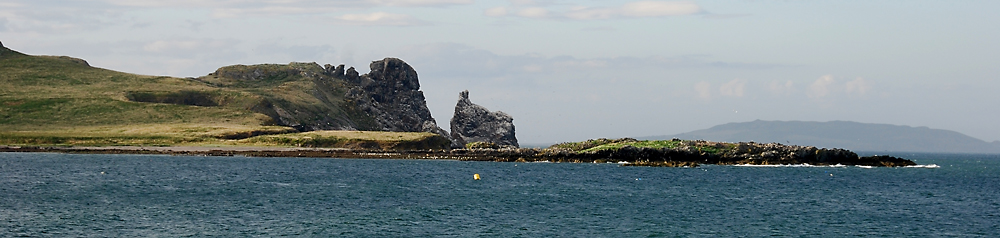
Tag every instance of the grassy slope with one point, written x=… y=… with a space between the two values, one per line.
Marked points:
x=316 y=99
x=64 y=101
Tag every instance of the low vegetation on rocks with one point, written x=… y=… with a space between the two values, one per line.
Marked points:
x=678 y=152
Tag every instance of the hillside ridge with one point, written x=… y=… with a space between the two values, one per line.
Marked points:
x=65 y=96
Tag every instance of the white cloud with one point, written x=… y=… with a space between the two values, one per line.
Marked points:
x=161 y=45
x=592 y=13
x=278 y=52
x=858 y=86
x=42 y=18
x=420 y=2
x=533 y=12
x=704 y=90
x=532 y=68
x=187 y=46
x=10 y=4
x=462 y=60
x=780 y=88
x=172 y=3
x=574 y=63
x=232 y=12
x=286 y=3
x=733 y=88
x=821 y=87
x=495 y=12
x=599 y=28
x=659 y=8
x=379 y=19
x=240 y=8
x=632 y=9
x=529 y=2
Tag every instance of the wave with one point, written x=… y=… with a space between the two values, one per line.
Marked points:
x=929 y=166
x=775 y=165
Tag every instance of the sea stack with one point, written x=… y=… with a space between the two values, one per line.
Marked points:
x=474 y=123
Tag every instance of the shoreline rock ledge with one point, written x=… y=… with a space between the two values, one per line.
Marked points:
x=474 y=123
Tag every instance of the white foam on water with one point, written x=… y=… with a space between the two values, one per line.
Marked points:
x=775 y=165
x=865 y=166
x=929 y=166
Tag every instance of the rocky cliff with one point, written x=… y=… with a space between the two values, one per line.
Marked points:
x=474 y=123
x=391 y=95
x=309 y=97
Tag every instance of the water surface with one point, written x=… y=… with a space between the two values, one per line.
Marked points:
x=60 y=195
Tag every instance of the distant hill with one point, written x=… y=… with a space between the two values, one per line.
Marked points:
x=844 y=134
x=65 y=97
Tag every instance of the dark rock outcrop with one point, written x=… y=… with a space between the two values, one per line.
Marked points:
x=335 y=71
x=390 y=94
x=474 y=123
x=307 y=96
x=78 y=61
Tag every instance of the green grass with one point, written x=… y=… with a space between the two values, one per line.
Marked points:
x=352 y=139
x=602 y=144
x=201 y=135
x=583 y=145
x=58 y=100
x=637 y=144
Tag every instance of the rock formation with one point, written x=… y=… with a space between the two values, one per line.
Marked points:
x=391 y=95
x=310 y=97
x=474 y=123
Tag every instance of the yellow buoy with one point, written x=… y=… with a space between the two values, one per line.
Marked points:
x=476 y=176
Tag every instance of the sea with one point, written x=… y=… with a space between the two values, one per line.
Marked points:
x=74 y=195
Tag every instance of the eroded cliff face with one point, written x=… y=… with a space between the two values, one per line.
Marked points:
x=391 y=95
x=475 y=123
x=309 y=97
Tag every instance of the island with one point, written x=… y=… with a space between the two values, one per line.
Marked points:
x=62 y=104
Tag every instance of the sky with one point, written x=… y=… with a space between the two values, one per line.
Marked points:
x=575 y=70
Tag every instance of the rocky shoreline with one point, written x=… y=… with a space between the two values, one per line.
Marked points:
x=690 y=154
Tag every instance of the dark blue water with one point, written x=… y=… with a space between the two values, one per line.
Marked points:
x=59 y=195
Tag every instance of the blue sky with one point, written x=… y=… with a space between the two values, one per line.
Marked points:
x=573 y=70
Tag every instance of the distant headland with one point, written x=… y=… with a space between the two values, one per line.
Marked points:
x=844 y=134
